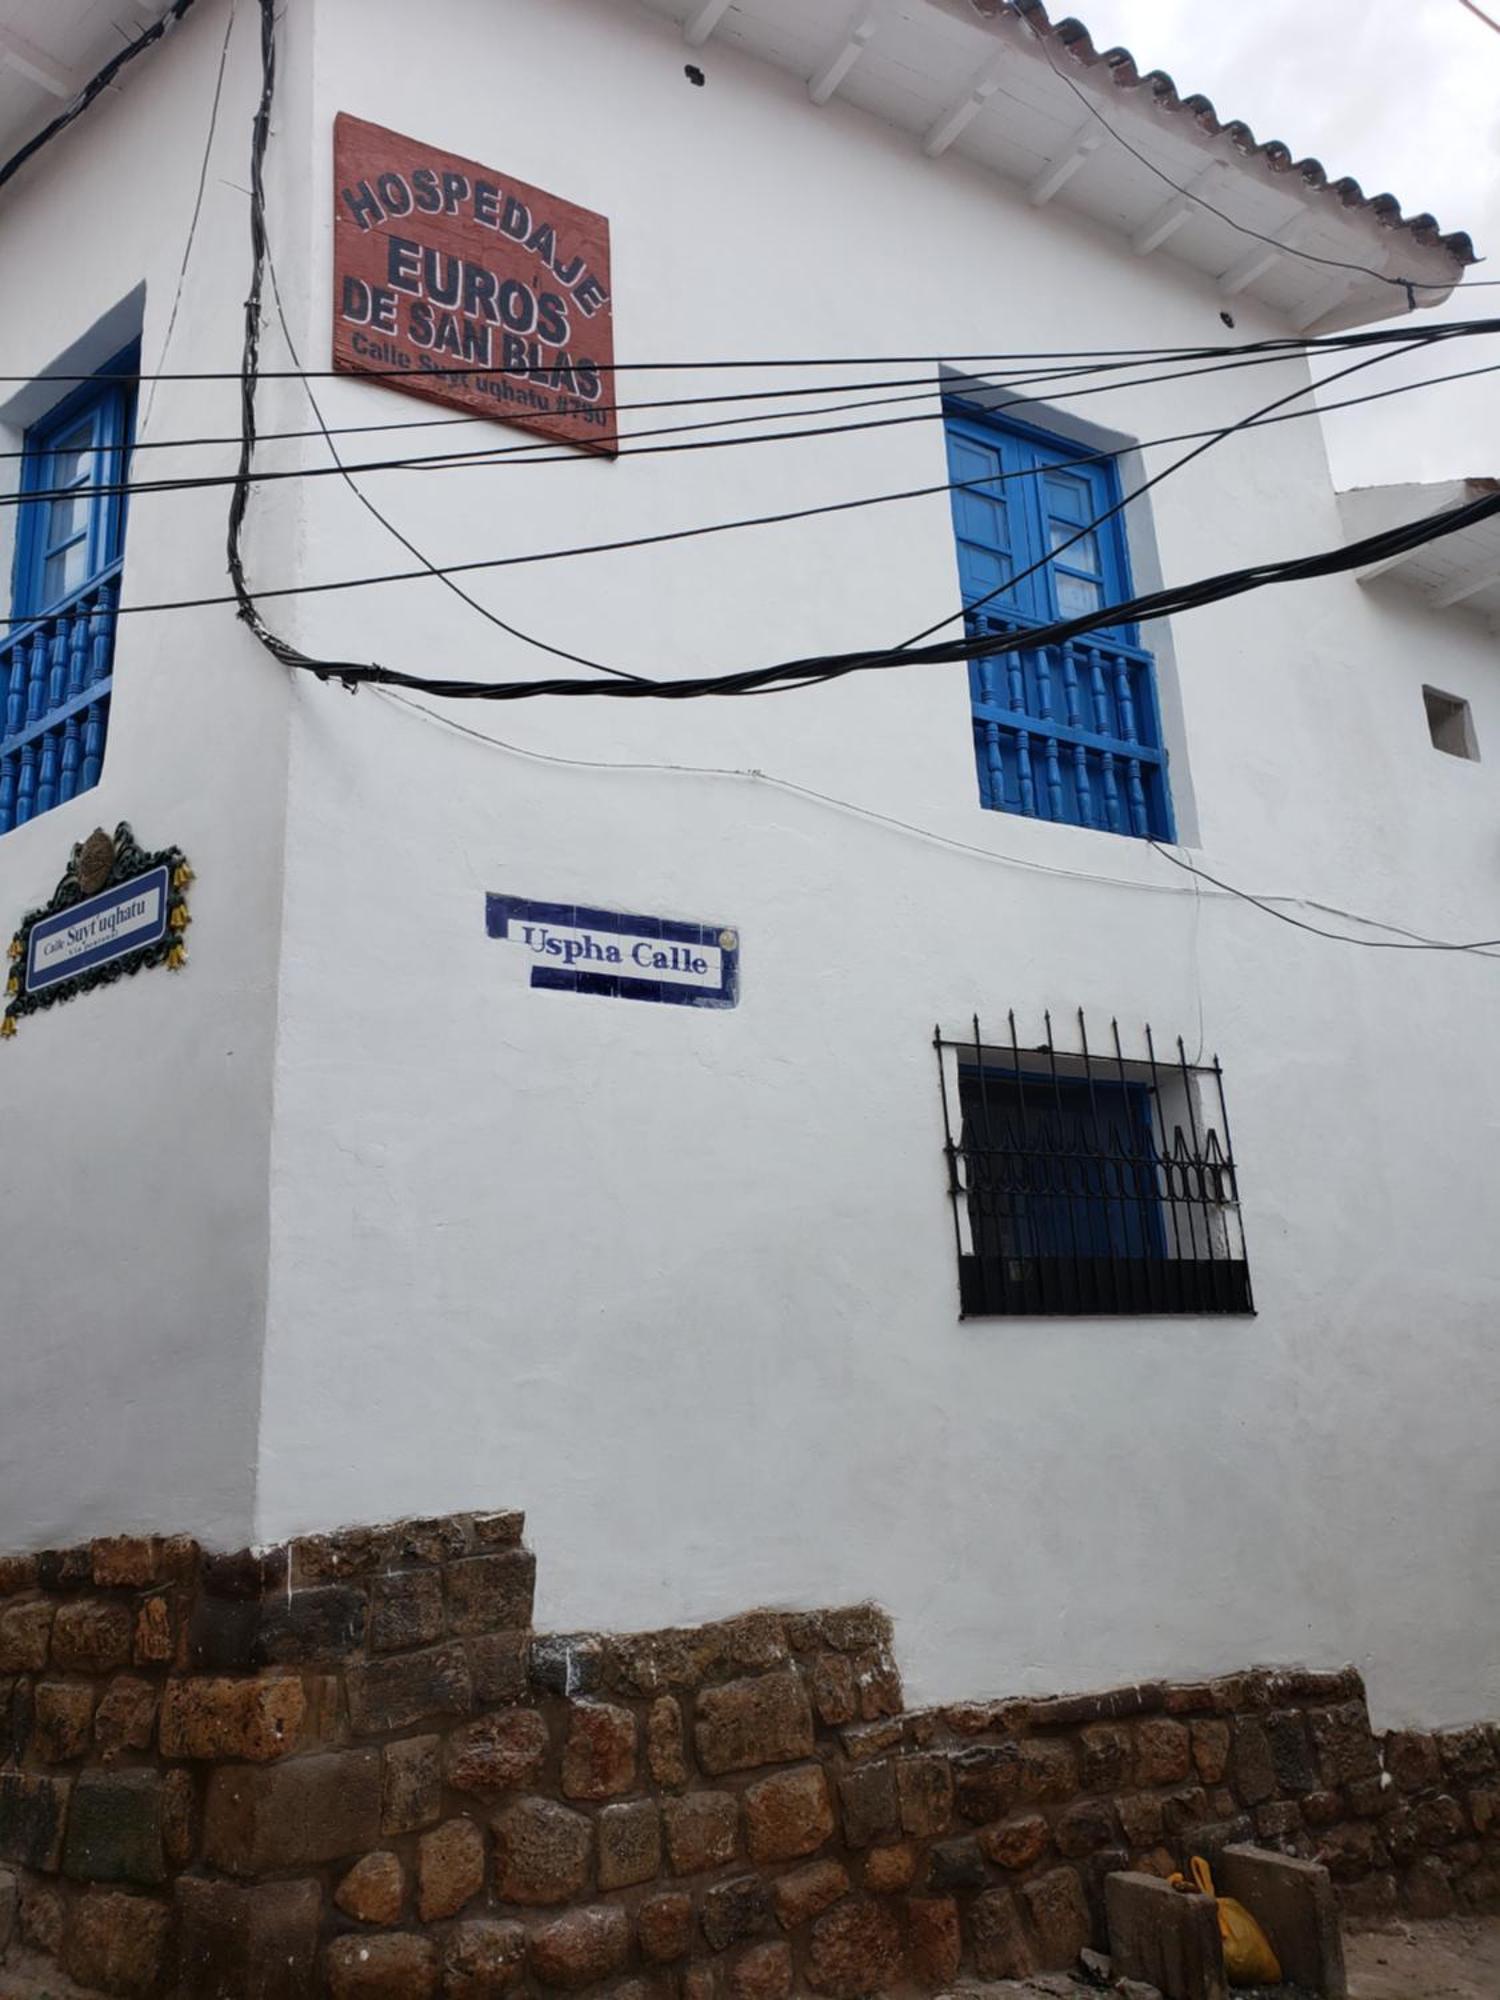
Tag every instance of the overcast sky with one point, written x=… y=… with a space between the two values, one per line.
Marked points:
x=1405 y=96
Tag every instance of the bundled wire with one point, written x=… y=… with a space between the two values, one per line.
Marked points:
x=784 y=675
x=250 y=363
x=831 y=667
x=431 y=568
x=797 y=673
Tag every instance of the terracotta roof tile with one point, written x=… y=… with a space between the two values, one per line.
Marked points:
x=1074 y=39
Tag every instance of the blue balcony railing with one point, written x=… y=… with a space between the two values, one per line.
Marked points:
x=55 y=678
x=1070 y=732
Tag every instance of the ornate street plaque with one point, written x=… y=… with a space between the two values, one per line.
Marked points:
x=116 y=910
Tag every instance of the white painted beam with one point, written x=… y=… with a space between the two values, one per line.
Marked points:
x=1383 y=568
x=1258 y=259
x=1053 y=178
x=1463 y=587
x=1326 y=299
x=701 y=24
x=964 y=110
x=825 y=81
x=1162 y=226
x=1255 y=265
x=35 y=64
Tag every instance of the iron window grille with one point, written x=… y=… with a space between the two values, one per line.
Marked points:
x=1083 y=1181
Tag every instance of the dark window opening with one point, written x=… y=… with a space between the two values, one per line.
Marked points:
x=1087 y=1182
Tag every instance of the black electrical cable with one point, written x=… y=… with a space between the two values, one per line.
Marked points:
x=258 y=244
x=240 y=497
x=1415 y=943
x=94 y=86
x=1431 y=527
x=1274 y=343
x=545 y=452
x=701 y=529
x=438 y=421
x=808 y=672
x=1136 y=492
x=1231 y=355
x=1157 y=604
x=1207 y=591
x=1406 y=285
x=784 y=674
x=261 y=253
x=826 y=667
x=1327 y=343
x=514 y=631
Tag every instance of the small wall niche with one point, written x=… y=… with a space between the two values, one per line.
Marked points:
x=1450 y=724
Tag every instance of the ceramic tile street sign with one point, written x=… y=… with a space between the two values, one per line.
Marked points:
x=571 y=948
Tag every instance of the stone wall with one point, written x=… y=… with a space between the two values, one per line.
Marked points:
x=347 y=1766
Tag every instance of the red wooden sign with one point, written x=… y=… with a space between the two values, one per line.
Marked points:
x=455 y=282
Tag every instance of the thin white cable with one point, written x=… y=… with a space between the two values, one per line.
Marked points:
x=208 y=146
x=1198 y=891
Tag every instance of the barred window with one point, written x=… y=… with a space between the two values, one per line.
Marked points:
x=1085 y=1180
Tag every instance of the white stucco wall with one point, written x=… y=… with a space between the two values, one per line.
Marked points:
x=134 y=1121
x=682 y=1283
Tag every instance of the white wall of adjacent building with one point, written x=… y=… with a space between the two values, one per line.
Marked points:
x=134 y=1123
x=679 y=1282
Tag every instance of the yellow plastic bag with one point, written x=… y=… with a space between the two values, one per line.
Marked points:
x=1248 y=1957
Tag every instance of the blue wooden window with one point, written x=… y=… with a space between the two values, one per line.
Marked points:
x=57 y=654
x=1060 y=1167
x=1071 y=732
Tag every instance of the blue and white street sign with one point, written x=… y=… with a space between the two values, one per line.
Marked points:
x=574 y=949
x=106 y=926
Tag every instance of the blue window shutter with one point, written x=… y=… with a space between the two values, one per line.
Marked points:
x=1061 y=1168
x=1070 y=733
x=57 y=654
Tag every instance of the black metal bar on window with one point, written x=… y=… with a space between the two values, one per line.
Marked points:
x=1166 y=1176
x=1072 y=1166
x=1088 y=1188
x=952 y=1156
x=1029 y=1172
x=986 y=1222
x=1232 y=1181
x=1199 y=1176
x=1112 y=1168
x=1143 y=1201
